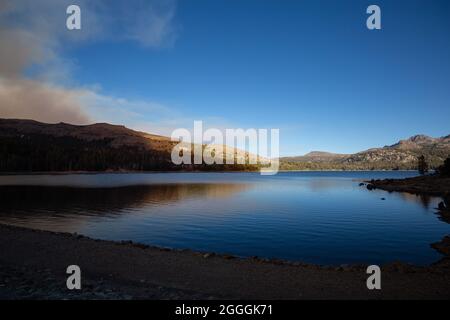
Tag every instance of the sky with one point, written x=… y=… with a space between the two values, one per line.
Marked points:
x=310 y=68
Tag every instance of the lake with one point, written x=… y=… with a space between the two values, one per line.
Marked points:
x=313 y=217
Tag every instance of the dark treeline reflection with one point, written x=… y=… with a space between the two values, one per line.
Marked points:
x=44 y=200
x=422 y=199
x=313 y=217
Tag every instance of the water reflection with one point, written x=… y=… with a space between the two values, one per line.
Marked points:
x=27 y=202
x=316 y=217
x=424 y=200
x=320 y=185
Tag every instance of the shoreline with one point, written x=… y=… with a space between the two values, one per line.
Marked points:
x=431 y=185
x=61 y=173
x=423 y=186
x=35 y=269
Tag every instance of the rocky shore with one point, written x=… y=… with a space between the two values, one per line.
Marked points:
x=429 y=185
x=432 y=185
x=33 y=265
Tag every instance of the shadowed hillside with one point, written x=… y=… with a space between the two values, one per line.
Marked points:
x=31 y=146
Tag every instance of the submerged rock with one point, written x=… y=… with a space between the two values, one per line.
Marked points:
x=442 y=206
x=370 y=186
x=443 y=246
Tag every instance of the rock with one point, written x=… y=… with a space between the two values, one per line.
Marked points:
x=277 y=261
x=141 y=245
x=207 y=255
x=383 y=198
x=443 y=246
x=441 y=206
x=361 y=184
x=370 y=186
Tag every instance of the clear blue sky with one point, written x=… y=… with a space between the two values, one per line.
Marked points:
x=310 y=68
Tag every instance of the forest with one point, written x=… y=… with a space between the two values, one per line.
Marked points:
x=46 y=153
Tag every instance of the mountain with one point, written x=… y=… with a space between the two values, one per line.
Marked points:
x=116 y=135
x=29 y=146
x=317 y=156
x=401 y=155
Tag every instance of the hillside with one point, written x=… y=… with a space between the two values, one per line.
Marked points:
x=317 y=156
x=401 y=155
x=30 y=146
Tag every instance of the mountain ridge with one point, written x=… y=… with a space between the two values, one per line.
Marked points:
x=400 y=155
x=29 y=145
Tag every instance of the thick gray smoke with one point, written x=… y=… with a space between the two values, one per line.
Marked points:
x=33 y=35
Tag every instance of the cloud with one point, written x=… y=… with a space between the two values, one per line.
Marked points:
x=30 y=99
x=45 y=102
x=153 y=24
x=148 y=22
x=34 y=37
x=19 y=49
x=34 y=34
x=116 y=110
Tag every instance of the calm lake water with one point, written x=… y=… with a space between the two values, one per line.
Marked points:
x=315 y=217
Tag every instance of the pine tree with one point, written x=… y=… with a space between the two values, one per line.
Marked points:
x=422 y=165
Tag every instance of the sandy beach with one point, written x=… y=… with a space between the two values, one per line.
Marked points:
x=33 y=265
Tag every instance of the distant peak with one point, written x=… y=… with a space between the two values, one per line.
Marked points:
x=319 y=153
x=419 y=137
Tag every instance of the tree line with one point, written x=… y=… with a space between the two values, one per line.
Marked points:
x=45 y=153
